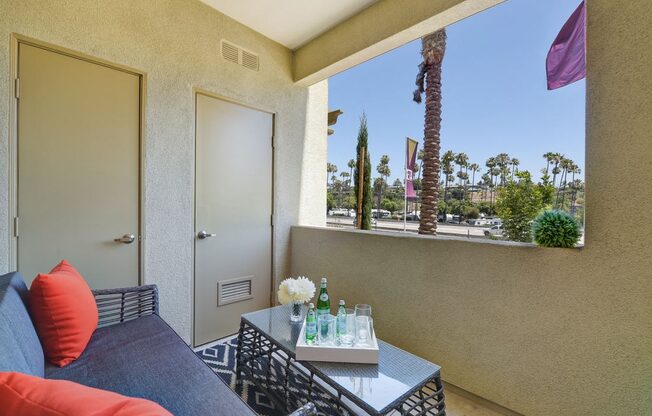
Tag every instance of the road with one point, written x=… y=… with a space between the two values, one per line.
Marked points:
x=412 y=226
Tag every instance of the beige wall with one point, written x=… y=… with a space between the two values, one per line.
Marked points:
x=540 y=331
x=176 y=42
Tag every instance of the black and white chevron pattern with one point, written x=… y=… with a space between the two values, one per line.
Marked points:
x=221 y=358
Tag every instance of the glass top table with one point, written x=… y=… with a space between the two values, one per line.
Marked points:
x=377 y=389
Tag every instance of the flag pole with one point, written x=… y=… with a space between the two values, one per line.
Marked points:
x=405 y=198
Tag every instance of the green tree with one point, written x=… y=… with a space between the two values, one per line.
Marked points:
x=433 y=47
x=363 y=139
x=384 y=172
x=518 y=204
x=330 y=201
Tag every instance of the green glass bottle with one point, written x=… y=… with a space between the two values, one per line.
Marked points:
x=323 y=302
x=311 y=324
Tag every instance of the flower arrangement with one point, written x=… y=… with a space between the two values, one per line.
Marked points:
x=556 y=229
x=296 y=290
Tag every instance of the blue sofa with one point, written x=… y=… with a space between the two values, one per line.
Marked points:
x=133 y=352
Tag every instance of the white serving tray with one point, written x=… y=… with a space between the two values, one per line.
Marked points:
x=336 y=353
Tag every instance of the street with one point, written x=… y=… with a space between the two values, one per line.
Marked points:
x=412 y=226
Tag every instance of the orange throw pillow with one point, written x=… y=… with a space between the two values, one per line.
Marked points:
x=64 y=313
x=25 y=395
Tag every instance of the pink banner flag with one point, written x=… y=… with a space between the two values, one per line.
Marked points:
x=566 y=62
x=410 y=161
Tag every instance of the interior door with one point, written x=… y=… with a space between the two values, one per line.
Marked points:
x=233 y=208
x=78 y=167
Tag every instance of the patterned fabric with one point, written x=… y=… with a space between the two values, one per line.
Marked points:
x=221 y=358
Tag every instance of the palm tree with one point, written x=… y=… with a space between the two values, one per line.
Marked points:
x=462 y=161
x=351 y=165
x=474 y=168
x=384 y=172
x=502 y=161
x=447 y=169
x=491 y=165
x=345 y=178
x=515 y=162
x=433 y=47
x=556 y=159
x=549 y=157
x=330 y=168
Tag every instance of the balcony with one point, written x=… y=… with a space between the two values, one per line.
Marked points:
x=516 y=329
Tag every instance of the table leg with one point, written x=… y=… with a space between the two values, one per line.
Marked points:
x=238 y=354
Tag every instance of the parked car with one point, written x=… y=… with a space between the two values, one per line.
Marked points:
x=383 y=213
x=495 y=231
x=373 y=222
x=411 y=216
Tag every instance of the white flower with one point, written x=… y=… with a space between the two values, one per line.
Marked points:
x=291 y=290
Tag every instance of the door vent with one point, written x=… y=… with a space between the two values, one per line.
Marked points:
x=234 y=290
x=236 y=54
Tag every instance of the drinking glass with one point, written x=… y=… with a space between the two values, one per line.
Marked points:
x=346 y=328
x=326 y=329
x=363 y=330
x=362 y=309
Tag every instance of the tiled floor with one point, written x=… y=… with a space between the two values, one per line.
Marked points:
x=460 y=404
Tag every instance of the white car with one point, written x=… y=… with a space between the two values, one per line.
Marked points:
x=373 y=222
x=495 y=231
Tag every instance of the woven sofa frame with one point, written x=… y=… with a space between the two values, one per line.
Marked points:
x=125 y=304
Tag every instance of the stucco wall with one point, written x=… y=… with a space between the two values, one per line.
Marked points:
x=539 y=331
x=176 y=42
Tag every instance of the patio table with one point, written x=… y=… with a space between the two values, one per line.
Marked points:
x=400 y=384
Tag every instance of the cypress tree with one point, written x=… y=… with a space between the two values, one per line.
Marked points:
x=366 y=187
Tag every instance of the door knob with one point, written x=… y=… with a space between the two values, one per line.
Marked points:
x=204 y=234
x=125 y=239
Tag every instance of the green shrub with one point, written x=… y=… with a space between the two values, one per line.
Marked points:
x=556 y=229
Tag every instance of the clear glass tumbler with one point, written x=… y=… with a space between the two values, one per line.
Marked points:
x=346 y=328
x=362 y=309
x=363 y=330
x=326 y=329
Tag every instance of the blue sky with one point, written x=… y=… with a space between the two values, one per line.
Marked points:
x=494 y=93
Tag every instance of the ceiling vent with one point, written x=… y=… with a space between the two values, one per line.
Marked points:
x=234 y=53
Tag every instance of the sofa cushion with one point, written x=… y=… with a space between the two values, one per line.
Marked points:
x=146 y=358
x=64 y=313
x=20 y=349
x=21 y=394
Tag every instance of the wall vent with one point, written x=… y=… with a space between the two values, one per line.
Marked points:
x=234 y=290
x=236 y=54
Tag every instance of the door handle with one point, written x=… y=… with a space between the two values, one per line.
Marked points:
x=204 y=234
x=125 y=239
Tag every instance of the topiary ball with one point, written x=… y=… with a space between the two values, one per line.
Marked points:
x=556 y=229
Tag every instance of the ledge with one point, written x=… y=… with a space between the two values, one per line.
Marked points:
x=401 y=235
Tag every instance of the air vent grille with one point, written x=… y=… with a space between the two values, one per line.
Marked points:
x=230 y=52
x=234 y=53
x=249 y=60
x=234 y=290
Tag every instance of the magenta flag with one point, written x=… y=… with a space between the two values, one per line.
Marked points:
x=410 y=160
x=566 y=62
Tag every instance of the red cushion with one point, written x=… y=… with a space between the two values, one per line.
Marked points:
x=64 y=313
x=25 y=395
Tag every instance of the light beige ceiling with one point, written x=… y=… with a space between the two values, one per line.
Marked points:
x=290 y=22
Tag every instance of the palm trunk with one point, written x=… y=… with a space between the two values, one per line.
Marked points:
x=433 y=50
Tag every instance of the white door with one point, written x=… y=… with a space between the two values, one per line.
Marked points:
x=78 y=167
x=233 y=208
